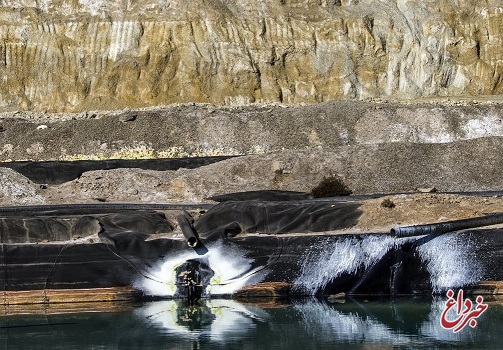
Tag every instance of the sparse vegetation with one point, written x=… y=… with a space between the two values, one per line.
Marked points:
x=331 y=186
x=387 y=203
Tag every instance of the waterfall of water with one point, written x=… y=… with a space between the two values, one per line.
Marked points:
x=331 y=258
x=451 y=262
x=448 y=259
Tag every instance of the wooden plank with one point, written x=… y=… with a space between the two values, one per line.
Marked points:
x=65 y=308
x=486 y=288
x=264 y=290
x=50 y=296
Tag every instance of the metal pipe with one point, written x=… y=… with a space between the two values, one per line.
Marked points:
x=185 y=222
x=448 y=226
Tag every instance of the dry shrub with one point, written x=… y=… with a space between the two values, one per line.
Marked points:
x=387 y=203
x=331 y=186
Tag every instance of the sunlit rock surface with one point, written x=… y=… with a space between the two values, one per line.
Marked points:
x=203 y=130
x=80 y=55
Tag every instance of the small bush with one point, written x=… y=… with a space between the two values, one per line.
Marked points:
x=387 y=203
x=332 y=186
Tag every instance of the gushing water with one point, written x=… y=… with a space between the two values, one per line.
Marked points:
x=231 y=270
x=448 y=258
x=451 y=262
x=331 y=258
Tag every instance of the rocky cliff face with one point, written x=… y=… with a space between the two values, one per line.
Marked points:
x=74 y=55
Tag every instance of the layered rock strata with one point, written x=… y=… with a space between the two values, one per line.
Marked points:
x=79 y=55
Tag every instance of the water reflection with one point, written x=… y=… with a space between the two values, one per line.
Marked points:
x=216 y=320
x=401 y=323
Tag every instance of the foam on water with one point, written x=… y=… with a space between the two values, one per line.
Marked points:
x=231 y=270
x=451 y=262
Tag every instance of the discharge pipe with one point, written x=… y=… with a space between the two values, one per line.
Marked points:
x=185 y=222
x=448 y=226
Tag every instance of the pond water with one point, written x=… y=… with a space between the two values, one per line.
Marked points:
x=227 y=324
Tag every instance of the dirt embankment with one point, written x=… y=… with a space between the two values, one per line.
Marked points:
x=204 y=130
x=373 y=147
x=414 y=209
x=139 y=186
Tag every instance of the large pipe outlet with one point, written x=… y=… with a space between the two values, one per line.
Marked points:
x=448 y=226
x=185 y=222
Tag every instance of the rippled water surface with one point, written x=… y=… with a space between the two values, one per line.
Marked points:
x=299 y=324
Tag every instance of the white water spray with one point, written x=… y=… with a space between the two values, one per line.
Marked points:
x=450 y=261
x=331 y=258
x=448 y=258
x=231 y=270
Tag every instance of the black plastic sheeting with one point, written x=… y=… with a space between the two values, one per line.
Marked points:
x=400 y=271
x=58 y=266
x=266 y=195
x=127 y=248
x=277 y=217
x=58 y=172
x=63 y=263
x=54 y=228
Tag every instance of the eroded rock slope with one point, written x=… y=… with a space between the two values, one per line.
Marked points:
x=81 y=55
